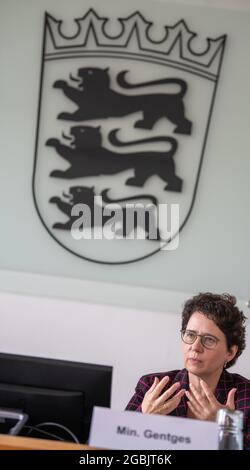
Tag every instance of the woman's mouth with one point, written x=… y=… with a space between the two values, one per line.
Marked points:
x=194 y=360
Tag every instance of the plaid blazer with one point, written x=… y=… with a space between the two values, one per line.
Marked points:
x=226 y=382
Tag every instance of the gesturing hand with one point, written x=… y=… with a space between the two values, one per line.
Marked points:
x=204 y=405
x=155 y=402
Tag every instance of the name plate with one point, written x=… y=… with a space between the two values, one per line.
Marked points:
x=132 y=430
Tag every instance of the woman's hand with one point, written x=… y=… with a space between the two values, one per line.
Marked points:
x=157 y=403
x=204 y=405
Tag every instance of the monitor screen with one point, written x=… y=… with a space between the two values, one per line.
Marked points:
x=53 y=391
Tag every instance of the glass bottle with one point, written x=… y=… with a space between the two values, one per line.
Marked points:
x=230 y=429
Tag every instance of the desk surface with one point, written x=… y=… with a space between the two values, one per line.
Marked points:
x=27 y=443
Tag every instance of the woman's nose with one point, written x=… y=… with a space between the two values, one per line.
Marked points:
x=197 y=345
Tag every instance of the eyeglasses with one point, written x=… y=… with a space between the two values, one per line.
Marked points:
x=208 y=341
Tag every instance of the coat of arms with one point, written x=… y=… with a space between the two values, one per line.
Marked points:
x=122 y=127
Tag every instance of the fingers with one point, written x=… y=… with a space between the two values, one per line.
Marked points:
x=230 y=399
x=158 y=387
x=206 y=407
x=155 y=382
x=197 y=398
x=193 y=409
x=203 y=407
x=208 y=392
x=149 y=401
x=173 y=402
x=193 y=403
x=168 y=393
x=161 y=403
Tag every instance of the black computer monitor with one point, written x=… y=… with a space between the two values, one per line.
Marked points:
x=53 y=391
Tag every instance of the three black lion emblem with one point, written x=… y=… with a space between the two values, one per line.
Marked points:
x=97 y=97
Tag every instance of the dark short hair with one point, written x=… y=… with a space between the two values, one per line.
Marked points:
x=226 y=315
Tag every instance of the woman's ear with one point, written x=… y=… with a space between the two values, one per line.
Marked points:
x=232 y=352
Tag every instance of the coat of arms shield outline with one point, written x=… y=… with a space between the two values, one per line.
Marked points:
x=122 y=115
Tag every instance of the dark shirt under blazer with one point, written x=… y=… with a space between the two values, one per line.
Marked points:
x=226 y=383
